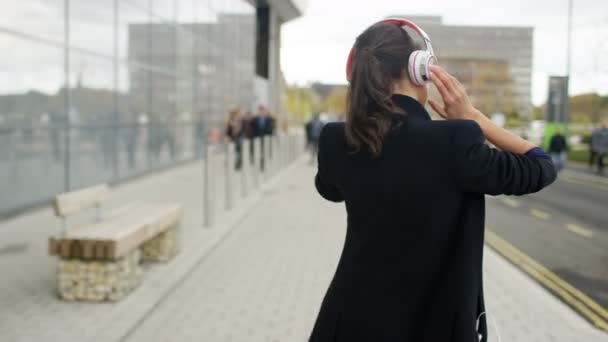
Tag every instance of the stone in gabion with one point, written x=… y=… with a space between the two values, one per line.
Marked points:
x=99 y=280
x=163 y=247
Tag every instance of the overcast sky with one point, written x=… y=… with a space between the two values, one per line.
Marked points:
x=315 y=46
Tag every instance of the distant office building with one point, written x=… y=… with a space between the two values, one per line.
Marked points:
x=493 y=62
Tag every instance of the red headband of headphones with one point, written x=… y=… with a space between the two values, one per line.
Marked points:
x=399 y=22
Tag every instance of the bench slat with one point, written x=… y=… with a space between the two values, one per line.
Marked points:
x=71 y=202
x=88 y=249
x=126 y=242
x=120 y=218
x=121 y=233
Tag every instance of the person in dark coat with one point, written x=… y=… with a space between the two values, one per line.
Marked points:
x=249 y=132
x=263 y=128
x=599 y=145
x=558 y=148
x=313 y=131
x=413 y=188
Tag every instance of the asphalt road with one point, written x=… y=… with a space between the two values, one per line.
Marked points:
x=564 y=229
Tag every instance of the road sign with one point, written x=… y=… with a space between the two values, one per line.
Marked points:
x=557 y=101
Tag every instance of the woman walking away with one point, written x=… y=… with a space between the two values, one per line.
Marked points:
x=411 y=265
x=234 y=133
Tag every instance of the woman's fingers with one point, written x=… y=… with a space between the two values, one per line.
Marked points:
x=444 y=76
x=451 y=92
x=441 y=87
x=437 y=108
x=455 y=91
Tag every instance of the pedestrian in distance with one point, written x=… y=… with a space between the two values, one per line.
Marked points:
x=558 y=148
x=249 y=132
x=313 y=132
x=599 y=141
x=234 y=134
x=263 y=128
x=413 y=187
x=592 y=153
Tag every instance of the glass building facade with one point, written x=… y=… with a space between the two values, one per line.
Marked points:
x=98 y=91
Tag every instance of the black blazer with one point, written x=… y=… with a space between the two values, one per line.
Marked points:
x=411 y=267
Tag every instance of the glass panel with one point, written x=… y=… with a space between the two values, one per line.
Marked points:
x=92 y=26
x=181 y=65
x=32 y=122
x=93 y=120
x=24 y=17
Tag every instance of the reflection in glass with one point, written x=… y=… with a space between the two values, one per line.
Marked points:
x=32 y=122
x=144 y=101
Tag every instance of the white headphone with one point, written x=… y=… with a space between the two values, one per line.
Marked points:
x=419 y=61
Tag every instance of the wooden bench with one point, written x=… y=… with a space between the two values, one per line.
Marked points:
x=101 y=260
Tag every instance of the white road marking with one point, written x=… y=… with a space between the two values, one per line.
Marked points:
x=511 y=202
x=540 y=214
x=576 y=229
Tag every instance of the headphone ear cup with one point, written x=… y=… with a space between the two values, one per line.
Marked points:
x=418 y=67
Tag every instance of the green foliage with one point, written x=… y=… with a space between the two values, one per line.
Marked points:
x=584 y=108
x=580 y=118
x=593 y=106
x=586 y=138
x=580 y=156
x=538 y=113
x=513 y=122
x=302 y=102
x=335 y=102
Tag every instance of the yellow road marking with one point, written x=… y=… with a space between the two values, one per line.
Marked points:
x=574 y=180
x=540 y=214
x=571 y=295
x=511 y=202
x=576 y=229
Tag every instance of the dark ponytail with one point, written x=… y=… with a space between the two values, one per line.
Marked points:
x=380 y=58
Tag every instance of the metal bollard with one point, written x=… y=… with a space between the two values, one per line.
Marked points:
x=280 y=151
x=209 y=199
x=275 y=154
x=229 y=165
x=285 y=150
x=257 y=155
x=286 y=144
x=292 y=148
x=266 y=153
x=245 y=168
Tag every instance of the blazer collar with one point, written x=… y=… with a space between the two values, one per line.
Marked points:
x=411 y=106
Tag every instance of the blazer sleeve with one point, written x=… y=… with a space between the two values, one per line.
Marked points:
x=482 y=169
x=325 y=180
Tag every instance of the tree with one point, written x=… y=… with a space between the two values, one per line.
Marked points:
x=335 y=103
x=302 y=102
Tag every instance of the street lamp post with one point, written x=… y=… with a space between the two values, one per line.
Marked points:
x=566 y=117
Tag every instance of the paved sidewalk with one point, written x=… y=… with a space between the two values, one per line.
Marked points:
x=263 y=282
x=29 y=307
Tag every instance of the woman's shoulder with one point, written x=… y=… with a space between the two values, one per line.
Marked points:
x=332 y=131
x=332 y=136
x=333 y=128
x=457 y=131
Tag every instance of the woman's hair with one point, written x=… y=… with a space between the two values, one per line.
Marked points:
x=380 y=58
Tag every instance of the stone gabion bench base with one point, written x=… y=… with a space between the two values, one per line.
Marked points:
x=107 y=280
x=163 y=247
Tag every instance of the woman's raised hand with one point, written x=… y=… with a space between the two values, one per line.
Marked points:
x=456 y=102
